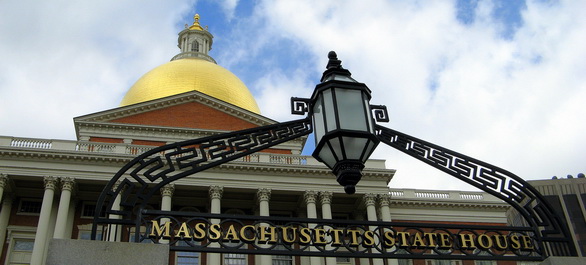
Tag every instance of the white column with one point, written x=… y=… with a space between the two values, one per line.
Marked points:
x=215 y=207
x=3 y=183
x=67 y=185
x=370 y=201
x=384 y=200
x=325 y=198
x=263 y=196
x=166 y=194
x=310 y=198
x=44 y=219
x=4 y=218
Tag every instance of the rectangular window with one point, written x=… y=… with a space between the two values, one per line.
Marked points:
x=282 y=259
x=89 y=209
x=21 y=251
x=185 y=257
x=405 y=262
x=343 y=261
x=234 y=259
x=30 y=206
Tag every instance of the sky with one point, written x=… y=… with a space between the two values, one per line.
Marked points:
x=501 y=81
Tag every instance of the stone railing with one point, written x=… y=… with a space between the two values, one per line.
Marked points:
x=441 y=195
x=129 y=149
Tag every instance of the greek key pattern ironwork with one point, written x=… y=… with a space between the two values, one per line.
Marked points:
x=380 y=113
x=299 y=106
x=145 y=175
x=494 y=180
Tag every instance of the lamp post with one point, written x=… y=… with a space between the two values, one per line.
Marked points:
x=342 y=123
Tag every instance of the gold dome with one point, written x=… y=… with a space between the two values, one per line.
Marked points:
x=189 y=74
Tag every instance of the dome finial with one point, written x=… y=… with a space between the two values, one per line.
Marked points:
x=196 y=24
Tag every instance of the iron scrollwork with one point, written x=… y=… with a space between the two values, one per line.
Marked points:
x=145 y=175
x=550 y=231
x=380 y=113
x=299 y=106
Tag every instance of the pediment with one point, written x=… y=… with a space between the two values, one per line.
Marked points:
x=191 y=110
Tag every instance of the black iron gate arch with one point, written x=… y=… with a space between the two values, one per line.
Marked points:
x=122 y=205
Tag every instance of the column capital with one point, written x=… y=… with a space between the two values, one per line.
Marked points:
x=384 y=200
x=50 y=182
x=216 y=192
x=3 y=180
x=369 y=199
x=67 y=183
x=168 y=190
x=325 y=197
x=263 y=194
x=310 y=196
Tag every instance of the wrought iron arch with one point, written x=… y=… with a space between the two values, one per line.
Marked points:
x=139 y=180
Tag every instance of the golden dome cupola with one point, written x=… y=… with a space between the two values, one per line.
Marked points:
x=195 y=41
x=192 y=70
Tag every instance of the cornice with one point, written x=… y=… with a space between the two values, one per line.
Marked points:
x=441 y=204
x=258 y=168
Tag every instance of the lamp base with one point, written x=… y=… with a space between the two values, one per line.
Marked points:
x=348 y=174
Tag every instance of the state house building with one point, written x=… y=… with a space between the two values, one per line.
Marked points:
x=49 y=187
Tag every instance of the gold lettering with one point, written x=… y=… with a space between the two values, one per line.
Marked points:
x=527 y=243
x=215 y=232
x=231 y=234
x=418 y=240
x=183 y=231
x=243 y=234
x=445 y=240
x=431 y=239
x=200 y=231
x=286 y=238
x=404 y=238
x=353 y=237
x=484 y=241
x=336 y=234
x=320 y=236
x=263 y=234
x=515 y=244
x=368 y=239
x=389 y=239
x=157 y=231
x=304 y=235
x=502 y=243
x=466 y=239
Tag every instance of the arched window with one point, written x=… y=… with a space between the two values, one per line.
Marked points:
x=195 y=46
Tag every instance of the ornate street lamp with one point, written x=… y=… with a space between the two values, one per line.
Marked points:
x=342 y=123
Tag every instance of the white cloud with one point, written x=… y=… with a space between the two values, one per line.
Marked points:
x=515 y=103
x=63 y=59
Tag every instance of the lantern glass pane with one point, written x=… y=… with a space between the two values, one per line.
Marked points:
x=337 y=148
x=318 y=120
x=368 y=114
x=354 y=147
x=327 y=156
x=369 y=149
x=330 y=112
x=351 y=109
